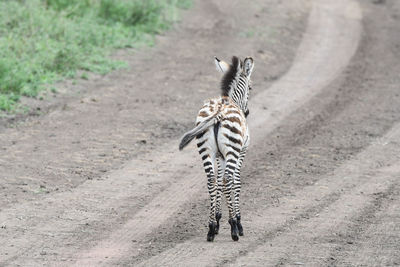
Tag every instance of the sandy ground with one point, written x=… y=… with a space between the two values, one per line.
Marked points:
x=95 y=177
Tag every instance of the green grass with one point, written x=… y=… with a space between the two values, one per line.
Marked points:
x=43 y=41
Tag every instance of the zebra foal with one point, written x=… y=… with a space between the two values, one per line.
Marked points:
x=222 y=140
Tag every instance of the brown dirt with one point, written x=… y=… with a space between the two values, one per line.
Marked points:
x=96 y=179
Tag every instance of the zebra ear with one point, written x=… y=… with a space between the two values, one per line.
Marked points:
x=248 y=66
x=221 y=66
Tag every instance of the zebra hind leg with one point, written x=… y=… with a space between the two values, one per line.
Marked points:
x=228 y=180
x=218 y=214
x=236 y=194
x=206 y=148
x=212 y=224
x=212 y=188
x=236 y=190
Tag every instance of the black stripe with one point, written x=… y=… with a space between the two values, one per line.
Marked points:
x=207 y=163
x=233 y=129
x=234 y=148
x=231 y=161
x=200 y=135
x=230 y=167
x=229 y=172
x=233 y=140
x=232 y=153
x=202 y=150
x=204 y=157
x=208 y=169
x=201 y=143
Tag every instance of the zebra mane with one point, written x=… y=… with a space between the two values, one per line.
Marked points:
x=229 y=76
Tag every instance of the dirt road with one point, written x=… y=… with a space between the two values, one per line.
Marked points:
x=96 y=179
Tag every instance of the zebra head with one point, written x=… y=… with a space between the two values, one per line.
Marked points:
x=236 y=81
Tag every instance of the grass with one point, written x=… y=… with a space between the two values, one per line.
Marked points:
x=44 y=41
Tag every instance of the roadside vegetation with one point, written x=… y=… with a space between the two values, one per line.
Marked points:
x=43 y=41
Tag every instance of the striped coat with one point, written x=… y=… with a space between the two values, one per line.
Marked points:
x=222 y=140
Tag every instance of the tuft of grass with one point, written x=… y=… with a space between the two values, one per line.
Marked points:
x=43 y=41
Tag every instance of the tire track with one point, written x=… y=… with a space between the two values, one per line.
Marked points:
x=69 y=211
x=377 y=243
x=333 y=29
x=312 y=240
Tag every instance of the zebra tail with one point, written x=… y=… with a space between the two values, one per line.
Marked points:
x=204 y=125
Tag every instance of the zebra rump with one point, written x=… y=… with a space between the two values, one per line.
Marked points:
x=204 y=125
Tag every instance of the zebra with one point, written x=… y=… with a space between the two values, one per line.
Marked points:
x=222 y=140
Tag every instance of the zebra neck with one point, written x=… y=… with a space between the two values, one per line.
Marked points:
x=238 y=98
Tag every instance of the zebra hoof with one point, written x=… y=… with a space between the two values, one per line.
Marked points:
x=240 y=229
x=211 y=232
x=234 y=229
x=218 y=217
x=239 y=225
